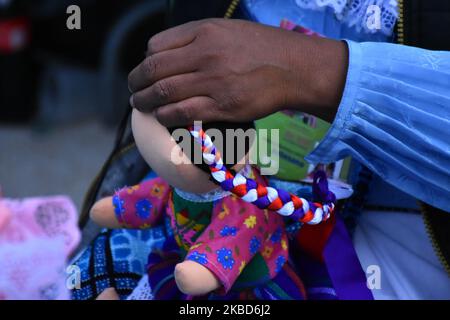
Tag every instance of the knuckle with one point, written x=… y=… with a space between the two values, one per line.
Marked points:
x=184 y=113
x=162 y=115
x=207 y=27
x=149 y=67
x=163 y=90
x=230 y=104
x=212 y=57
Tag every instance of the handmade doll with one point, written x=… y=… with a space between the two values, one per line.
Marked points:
x=224 y=236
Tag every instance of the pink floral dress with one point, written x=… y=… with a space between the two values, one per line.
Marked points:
x=238 y=242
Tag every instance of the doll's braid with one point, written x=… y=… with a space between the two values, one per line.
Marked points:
x=279 y=200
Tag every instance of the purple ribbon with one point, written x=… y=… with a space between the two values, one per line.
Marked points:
x=343 y=266
x=320 y=188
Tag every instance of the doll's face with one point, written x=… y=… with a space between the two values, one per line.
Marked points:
x=157 y=146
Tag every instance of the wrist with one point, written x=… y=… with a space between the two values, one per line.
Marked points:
x=317 y=69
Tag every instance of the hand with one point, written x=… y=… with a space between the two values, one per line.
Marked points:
x=194 y=279
x=233 y=70
x=108 y=294
x=102 y=213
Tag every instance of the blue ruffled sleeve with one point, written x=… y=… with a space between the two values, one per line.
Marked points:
x=394 y=117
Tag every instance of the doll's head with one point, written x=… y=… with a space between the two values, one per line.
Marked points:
x=175 y=163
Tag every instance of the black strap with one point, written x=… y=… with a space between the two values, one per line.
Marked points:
x=427 y=24
x=91 y=195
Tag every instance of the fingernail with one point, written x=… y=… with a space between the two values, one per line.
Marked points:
x=129 y=89
x=132 y=100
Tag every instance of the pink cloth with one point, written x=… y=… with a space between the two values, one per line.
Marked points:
x=36 y=237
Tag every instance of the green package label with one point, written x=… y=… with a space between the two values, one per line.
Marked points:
x=298 y=135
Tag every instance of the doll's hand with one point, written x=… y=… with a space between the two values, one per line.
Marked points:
x=102 y=213
x=234 y=70
x=194 y=279
x=108 y=294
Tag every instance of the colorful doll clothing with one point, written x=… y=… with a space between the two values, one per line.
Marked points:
x=117 y=258
x=242 y=245
x=286 y=285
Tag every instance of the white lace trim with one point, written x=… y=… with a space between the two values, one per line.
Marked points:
x=361 y=14
x=142 y=290
x=211 y=196
x=337 y=5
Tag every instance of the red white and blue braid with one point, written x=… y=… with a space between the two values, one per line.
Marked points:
x=279 y=200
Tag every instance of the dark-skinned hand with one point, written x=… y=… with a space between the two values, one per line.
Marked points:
x=234 y=70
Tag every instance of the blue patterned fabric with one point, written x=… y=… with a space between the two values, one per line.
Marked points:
x=116 y=258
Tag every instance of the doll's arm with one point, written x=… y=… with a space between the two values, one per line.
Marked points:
x=102 y=213
x=237 y=232
x=139 y=206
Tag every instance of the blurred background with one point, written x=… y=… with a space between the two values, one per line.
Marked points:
x=63 y=92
